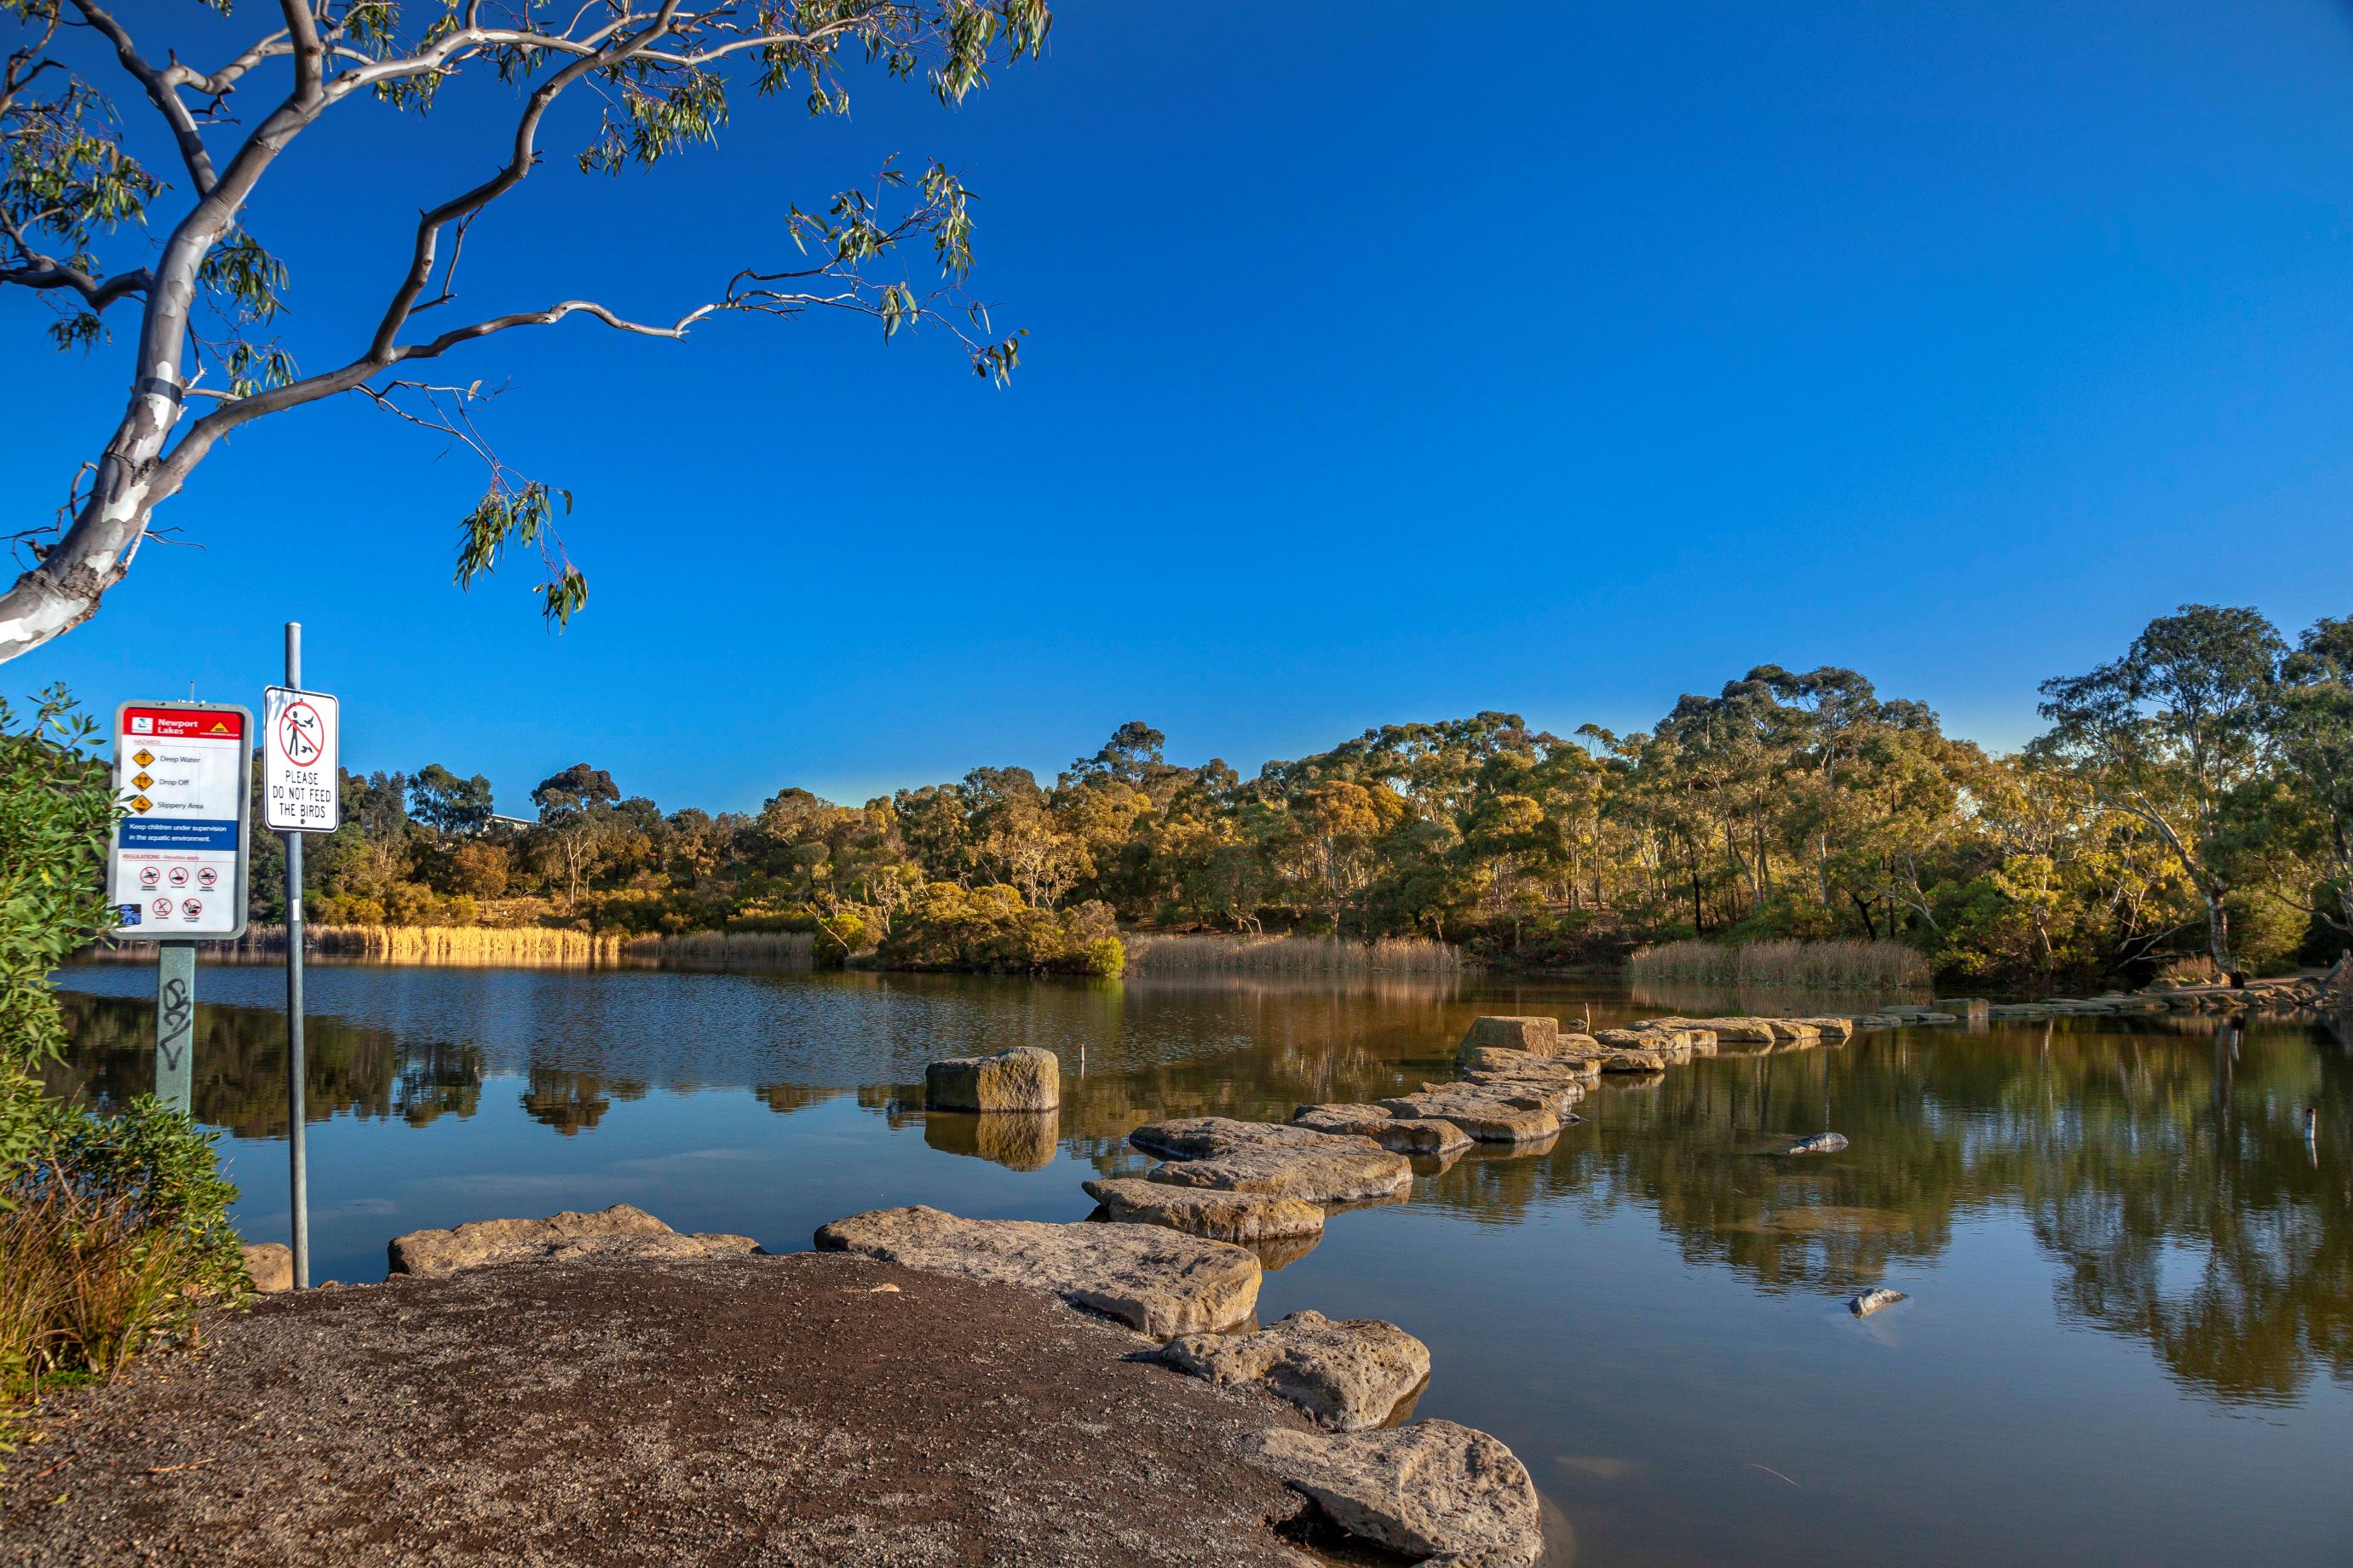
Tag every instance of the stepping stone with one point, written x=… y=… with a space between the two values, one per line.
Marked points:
x=1398 y=1134
x=1154 y=1279
x=618 y=1231
x=1027 y=1078
x=1220 y=1216
x=1439 y=1493
x=1537 y=1037
x=1482 y=1112
x=1347 y=1374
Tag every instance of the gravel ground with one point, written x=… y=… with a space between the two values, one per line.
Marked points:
x=739 y=1411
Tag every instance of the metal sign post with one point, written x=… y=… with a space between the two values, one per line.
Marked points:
x=175 y=869
x=299 y=793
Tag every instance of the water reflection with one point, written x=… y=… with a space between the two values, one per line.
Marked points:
x=2159 y=1163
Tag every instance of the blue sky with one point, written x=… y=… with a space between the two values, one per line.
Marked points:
x=1560 y=361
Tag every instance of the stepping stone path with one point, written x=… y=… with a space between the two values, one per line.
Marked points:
x=1347 y=1374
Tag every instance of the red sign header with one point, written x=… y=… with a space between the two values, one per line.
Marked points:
x=182 y=724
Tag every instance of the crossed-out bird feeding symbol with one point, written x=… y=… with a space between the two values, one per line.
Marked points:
x=300 y=735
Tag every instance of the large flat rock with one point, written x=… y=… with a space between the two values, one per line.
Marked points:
x=1336 y=1176
x=1263 y=1157
x=1348 y=1374
x=1448 y=1495
x=1489 y=1113
x=1027 y=1078
x=1398 y=1134
x=1201 y=1211
x=620 y=1231
x=1156 y=1280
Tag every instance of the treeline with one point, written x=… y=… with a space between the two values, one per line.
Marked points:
x=2192 y=799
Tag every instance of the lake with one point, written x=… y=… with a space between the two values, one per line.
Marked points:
x=2130 y=1330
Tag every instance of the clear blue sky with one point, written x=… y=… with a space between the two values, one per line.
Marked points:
x=1561 y=361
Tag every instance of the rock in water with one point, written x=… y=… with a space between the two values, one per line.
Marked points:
x=1537 y=1037
x=1439 y=1493
x=1819 y=1144
x=1261 y=1157
x=1398 y=1134
x=1152 y=1279
x=1871 y=1301
x=1027 y=1078
x=1347 y=1374
x=270 y=1266
x=1220 y=1216
x=1492 y=1113
x=620 y=1230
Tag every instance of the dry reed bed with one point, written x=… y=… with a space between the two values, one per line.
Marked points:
x=524 y=947
x=1289 y=955
x=1846 y=965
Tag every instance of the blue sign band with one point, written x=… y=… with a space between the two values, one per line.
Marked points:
x=143 y=832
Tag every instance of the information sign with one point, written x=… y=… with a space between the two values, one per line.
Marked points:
x=177 y=867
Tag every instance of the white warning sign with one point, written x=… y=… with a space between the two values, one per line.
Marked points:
x=300 y=731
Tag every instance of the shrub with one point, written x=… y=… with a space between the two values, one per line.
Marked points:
x=1106 y=958
x=118 y=1232
x=995 y=930
x=57 y=809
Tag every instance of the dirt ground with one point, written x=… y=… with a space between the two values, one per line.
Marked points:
x=739 y=1411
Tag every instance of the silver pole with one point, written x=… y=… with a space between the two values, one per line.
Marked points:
x=176 y=1022
x=297 y=1158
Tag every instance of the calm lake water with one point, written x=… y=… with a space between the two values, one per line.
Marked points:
x=2130 y=1336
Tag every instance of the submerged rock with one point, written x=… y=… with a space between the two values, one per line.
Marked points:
x=1152 y=1279
x=1819 y=1144
x=620 y=1230
x=270 y=1266
x=1442 y=1494
x=1220 y=1216
x=1871 y=1301
x=1398 y=1134
x=1027 y=1078
x=1348 y=1374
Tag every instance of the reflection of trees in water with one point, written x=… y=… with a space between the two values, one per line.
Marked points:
x=2169 y=1179
x=436 y=1082
x=569 y=1101
x=238 y=1070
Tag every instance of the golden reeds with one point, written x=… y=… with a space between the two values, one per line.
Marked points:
x=1845 y=965
x=1209 y=954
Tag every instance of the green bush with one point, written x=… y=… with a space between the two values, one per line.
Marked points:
x=994 y=929
x=56 y=811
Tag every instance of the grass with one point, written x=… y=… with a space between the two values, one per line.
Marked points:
x=1289 y=955
x=1847 y=965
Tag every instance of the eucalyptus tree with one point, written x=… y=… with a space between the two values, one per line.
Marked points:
x=2311 y=725
x=89 y=226
x=2171 y=733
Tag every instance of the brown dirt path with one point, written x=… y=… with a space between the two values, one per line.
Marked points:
x=737 y=1411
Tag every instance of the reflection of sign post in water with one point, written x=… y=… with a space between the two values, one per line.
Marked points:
x=176 y=869
x=301 y=793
